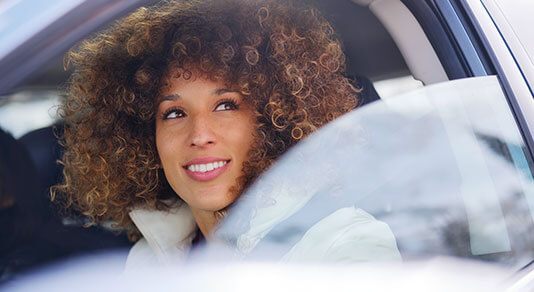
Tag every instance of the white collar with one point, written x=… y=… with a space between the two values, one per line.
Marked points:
x=169 y=233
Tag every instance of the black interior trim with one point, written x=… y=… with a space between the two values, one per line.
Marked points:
x=458 y=34
x=476 y=41
x=453 y=36
x=447 y=51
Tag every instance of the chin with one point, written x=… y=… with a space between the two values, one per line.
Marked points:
x=213 y=199
x=212 y=205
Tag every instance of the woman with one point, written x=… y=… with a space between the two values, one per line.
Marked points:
x=177 y=108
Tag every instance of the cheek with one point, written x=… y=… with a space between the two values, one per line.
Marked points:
x=166 y=145
x=249 y=138
x=160 y=147
x=168 y=154
x=246 y=135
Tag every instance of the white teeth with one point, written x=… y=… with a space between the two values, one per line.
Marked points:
x=206 y=167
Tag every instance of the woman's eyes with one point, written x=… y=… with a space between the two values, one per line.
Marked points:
x=175 y=113
x=226 y=105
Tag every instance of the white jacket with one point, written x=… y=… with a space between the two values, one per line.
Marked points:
x=347 y=235
x=167 y=236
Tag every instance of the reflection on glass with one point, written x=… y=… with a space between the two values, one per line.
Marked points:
x=438 y=171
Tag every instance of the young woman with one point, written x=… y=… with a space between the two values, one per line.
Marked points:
x=177 y=108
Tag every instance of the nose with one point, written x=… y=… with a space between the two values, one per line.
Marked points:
x=202 y=131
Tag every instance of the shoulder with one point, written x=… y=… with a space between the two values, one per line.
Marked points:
x=347 y=235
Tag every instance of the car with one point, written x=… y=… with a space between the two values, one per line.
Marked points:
x=444 y=158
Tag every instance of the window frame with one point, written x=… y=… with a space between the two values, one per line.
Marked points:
x=469 y=43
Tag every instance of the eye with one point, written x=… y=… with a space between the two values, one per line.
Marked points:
x=227 y=105
x=173 y=113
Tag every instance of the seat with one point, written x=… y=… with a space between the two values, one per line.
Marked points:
x=368 y=92
x=52 y=239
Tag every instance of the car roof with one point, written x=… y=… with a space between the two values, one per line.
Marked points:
x=369 y=48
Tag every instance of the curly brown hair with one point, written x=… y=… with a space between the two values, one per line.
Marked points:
x=283 y=58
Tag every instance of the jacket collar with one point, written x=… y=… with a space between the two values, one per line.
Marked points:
x=169 y=233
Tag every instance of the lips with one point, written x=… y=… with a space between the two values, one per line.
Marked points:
x=206 y=168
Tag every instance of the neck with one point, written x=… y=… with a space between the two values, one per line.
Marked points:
x=206 y=221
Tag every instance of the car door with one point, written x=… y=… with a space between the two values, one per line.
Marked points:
x=447 y=167
x=485 y=37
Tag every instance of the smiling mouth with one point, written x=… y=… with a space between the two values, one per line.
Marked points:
x=206 y=167
x=204 y=172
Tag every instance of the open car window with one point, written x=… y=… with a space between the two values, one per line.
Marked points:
x=443 y=168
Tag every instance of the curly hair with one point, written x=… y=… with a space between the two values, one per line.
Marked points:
x=284 y=59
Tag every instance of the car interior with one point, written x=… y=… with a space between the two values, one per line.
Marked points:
x=382 y=39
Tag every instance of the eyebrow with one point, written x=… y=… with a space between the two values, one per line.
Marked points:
x=220 y=91
x=176 y=96
x=170 y=97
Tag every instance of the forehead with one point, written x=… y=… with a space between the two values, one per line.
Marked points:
x=179 y=78
x=189 y=85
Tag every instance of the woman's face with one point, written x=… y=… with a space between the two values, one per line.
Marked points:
x=203 y=134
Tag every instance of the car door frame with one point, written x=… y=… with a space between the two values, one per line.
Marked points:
x=469 y=43
x=62 y=33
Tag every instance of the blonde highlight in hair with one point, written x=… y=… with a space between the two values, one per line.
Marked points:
x=284 y=59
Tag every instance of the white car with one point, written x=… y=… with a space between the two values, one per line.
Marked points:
x=447 y=164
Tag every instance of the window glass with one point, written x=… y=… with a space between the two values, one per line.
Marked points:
x=14 y=16
x=441 y=170
x=29 y=110
x=396 y=86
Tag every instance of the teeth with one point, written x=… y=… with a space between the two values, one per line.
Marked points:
x=206 y=167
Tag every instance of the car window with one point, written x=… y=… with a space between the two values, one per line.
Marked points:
x=14 y=25
x=443 y=167
x=28 y=110
x=396 y=86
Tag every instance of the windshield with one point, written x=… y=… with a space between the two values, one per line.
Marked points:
x=438 y=171
x=14 y=25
